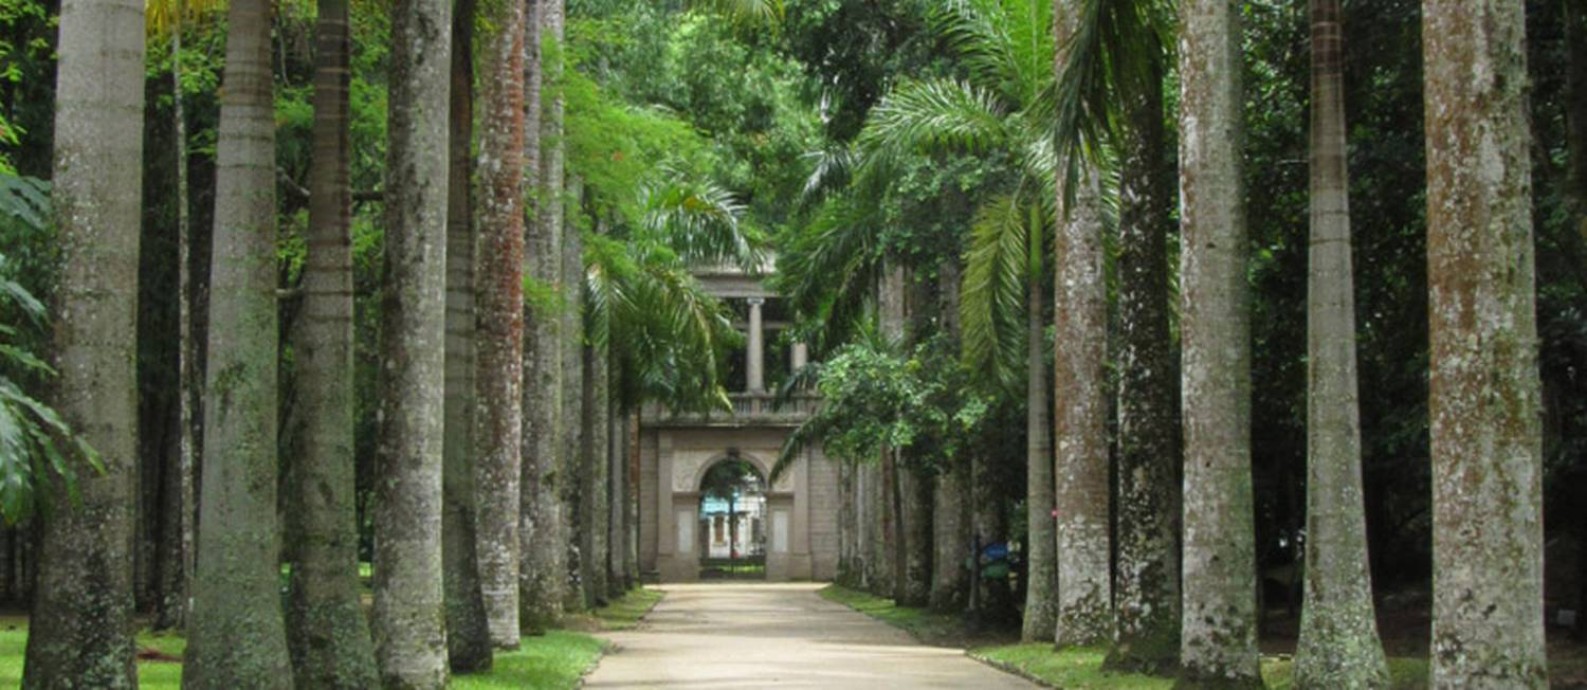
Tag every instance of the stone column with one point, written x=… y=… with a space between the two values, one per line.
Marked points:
x=757 y=347
x=801 y=356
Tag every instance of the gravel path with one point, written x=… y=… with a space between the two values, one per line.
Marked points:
x=783 y=635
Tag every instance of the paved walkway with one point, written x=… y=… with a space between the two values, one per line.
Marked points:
x=783 y=635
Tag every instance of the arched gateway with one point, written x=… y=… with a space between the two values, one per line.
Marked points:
x=799 y=524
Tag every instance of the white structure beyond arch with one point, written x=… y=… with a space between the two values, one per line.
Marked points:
x=801 y=508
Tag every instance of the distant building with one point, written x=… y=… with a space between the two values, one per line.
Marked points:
x=793 y=523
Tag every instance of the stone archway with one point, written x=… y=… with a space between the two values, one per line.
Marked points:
x=798 y=524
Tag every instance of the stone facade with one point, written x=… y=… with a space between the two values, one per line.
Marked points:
x=801 y=509
x=801 y=506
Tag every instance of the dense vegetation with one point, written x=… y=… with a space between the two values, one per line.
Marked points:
x=1249 y=323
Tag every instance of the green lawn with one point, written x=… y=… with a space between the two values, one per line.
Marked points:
x=1072 y=669
x=1077 y=669
x=926 y=625
x=557 y=659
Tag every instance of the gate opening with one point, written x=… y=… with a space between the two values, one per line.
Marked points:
x=732 y=521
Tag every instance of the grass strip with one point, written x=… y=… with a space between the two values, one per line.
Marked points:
x=558 y=659
x=1078 y=668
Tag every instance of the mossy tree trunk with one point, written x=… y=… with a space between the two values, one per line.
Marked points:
x=593 y=463
x=952 y=522
x=1484 y=386
x=573 y=423
x=409 y=616
x=498 y=431
x=1339 y=645
x=468 y=643
x=542 y=585
x=236 y=630
x=327 y=631
x=1081 y=464
x=1146 y=575
x=1218 y=645
x=82 y=614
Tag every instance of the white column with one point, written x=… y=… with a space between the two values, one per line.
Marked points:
x=801 y=356
x=757 y=347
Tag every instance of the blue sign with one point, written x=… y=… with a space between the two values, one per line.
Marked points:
x=995 y=552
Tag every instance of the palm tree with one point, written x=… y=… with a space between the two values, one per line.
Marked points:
x=1484 y=387
x=468 y=642
x=1218 y=647
x=82 y=615
x=238 y=636
x=328 y=633
x=1339 y=644
x=410 y=638
x=500 y=318
x=169 y=18
x=1008 y=47
x=1081 y=468
x=542 y=568
x=1146 y=608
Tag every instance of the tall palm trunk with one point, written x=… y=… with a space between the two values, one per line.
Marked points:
x=236 y=629
x=468 y=644
x=328 y=633
x=593 y=466
x=498 y=441
x=951 y=519
x=543 y=570
x=1339 y=645
x=82 y=615
x=617 y=494
x=1080 y=467
x=893 y=547
x=1041 y=568
x=1146 y=576
x=1484 y=388
x=574 y=391
x=408 y=618
x=849 y=526
x=177 y=512
x=1576 y=139
x=917 y=490
x=1218 y=647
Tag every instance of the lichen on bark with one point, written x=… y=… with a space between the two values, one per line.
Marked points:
x=1484 y=390
x=1218 y=635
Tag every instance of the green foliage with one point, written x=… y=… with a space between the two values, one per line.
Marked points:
x=35 y=442
x=668 y=337
x=874 y=399
x=617 y=149
x=750 y=106
x=27 y=80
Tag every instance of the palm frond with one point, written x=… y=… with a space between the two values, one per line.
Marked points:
x=831 y=170
x=162 y=17
x=667 y=335
x=701 y=221
x=1006 y=44
x=829 y=268
x=1113 y=54
x=806 y=434
x=935 y=115
x=26 y=199
x=992 y=302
